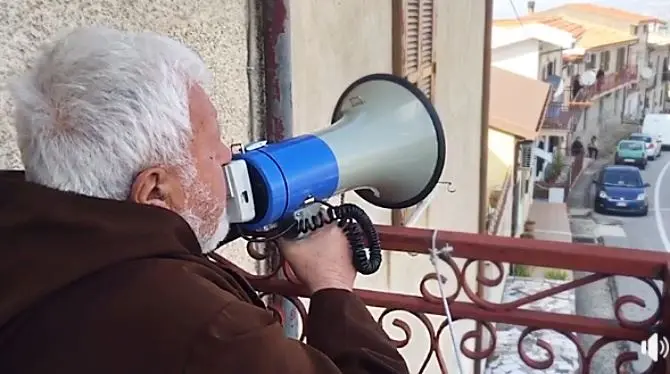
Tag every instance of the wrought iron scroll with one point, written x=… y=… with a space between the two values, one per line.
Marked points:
x=398 y=309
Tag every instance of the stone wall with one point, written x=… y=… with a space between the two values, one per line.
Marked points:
x=217 y=29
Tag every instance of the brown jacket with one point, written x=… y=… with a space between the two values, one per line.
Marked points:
x=92 y=286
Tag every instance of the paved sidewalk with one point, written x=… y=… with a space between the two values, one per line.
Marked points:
x=506 y=359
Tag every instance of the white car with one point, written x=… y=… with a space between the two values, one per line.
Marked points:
x=658 y=124
x=652 y=143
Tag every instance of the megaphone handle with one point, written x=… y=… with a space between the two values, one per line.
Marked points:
x=357 y=227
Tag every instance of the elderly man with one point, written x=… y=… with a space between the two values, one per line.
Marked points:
x=103 y=267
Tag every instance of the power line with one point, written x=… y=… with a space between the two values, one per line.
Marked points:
x=516 y=13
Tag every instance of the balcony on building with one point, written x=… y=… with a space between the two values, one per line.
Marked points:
x=608 y=83
x=559 y=116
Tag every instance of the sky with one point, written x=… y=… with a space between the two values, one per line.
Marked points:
x=658 y=8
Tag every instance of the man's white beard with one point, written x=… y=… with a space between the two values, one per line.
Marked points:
x=208 y=242
x=197 y=192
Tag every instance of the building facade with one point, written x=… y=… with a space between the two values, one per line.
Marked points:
x=600 y=71
x=535 y=51
x=648 y=53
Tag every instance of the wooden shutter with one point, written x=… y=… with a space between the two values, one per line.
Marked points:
x=413 y=37
x=413 y=53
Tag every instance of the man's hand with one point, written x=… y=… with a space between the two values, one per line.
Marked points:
x=321 y=260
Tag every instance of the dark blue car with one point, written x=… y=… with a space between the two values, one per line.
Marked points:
x=620 y=189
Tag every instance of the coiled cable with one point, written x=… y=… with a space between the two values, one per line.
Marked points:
x=354 y=222
x=357 y=227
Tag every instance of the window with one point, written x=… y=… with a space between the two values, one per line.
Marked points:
x=413 y=37
x=550 y=69
x=631 y=146
x=605 y=61
x=620 y=59
x=622 y=178
x=591 y=60
x=640 y=138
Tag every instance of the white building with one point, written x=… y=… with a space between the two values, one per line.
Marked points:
x=648 y=53
x=656 y=93
x=535 y=50
x=609 y=54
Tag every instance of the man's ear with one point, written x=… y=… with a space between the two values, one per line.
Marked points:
x=156 y=186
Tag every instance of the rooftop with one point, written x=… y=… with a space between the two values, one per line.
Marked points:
x=604 y=11
x=521 y=118
x=503 y=36
x=587 y=35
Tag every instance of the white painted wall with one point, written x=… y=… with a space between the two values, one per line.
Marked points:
x=522 y=58
x=655 y=93
x=632 y=104
x=549 y=54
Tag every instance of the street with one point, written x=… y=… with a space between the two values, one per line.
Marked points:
x=649 y=233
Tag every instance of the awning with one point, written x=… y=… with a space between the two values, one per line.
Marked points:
x=517 y=103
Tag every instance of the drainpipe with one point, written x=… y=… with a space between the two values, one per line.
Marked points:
x=279 y=115
x=483 y=157
x=277 y=40
x=515 y=187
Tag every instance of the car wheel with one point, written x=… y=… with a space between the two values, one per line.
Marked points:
x=645 y=212
x=643 y=166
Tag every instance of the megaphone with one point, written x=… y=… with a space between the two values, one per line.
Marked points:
x=385 y=142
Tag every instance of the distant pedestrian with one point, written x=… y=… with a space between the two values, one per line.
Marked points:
x=577 y=148
x=593 y=148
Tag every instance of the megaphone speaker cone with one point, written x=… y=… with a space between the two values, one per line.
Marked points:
x=388 y=141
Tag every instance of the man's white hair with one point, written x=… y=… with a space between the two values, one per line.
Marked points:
x=100 y=105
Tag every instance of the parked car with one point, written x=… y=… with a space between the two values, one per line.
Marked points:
x=658 y=124
x=631 y=152
x=621 y=189
x=651 y=144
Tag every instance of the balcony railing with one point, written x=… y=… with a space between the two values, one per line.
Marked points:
x=469 y=252
x=560 y=116
x=499 y=206
x=611 y=81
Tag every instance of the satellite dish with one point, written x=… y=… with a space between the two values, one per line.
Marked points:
x=646 y=73
x=587 y=78
x=559 y=90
